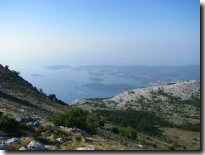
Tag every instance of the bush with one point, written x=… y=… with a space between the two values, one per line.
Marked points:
x=92 y=123
x=131 y=133
x=115 y=130
x=78 y=118
x=142 y=121
x=8 y=124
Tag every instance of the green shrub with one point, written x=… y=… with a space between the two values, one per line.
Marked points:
x=172 y=147
x=92 y=123
x=78 y=118
x=115 y=130
x=142 y=121
x=8 y=124
x=131 y=133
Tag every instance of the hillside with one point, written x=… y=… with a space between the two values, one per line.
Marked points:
x=154 y=118
x=172 y=98
x=19 y=96
x=176 y=107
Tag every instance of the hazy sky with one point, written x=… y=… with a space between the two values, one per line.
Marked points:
x=111 y=32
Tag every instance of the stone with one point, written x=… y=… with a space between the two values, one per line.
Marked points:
x=60 y=140
x=87 y=148
x=78 y=138
x=4 y=147
x=83 y=133
x=51 y=147
x=139 y=145
x=24 y=138
x=4 y=138
x=24 y=148
x=2 y=134
x=37 y=124
x=19 y=118
x=35 y=145
x=51 y=137
x=13 y=141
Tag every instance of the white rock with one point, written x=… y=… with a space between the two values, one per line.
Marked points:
x=35 y=145
x=60 y=140
x=13 y=141
x=51 y=147
x=139 y=145
x=87 y=148
x=4 y=147
x=2 y=134
x=24 y=148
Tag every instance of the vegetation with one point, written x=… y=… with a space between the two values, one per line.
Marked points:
x=142 y=121
x=190 y=127
x=54 y=98
x=78 y=118
x=10 y=125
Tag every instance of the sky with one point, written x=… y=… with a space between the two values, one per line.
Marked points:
x=99 y=32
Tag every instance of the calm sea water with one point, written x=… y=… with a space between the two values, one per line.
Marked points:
x=68 y=84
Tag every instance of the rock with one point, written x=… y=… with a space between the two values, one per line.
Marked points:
x=78 y=138
x=51 y=137
x=4 y=138
x=87 y=148
x=13 y=141
x=60 y=140
x=2 y=134
x=37 y=124
x=25 y=138
x=24 y=148
x=29 y=134
x=19 y=118
x=4 y=147
x=51 y=147
x=139 y=145
x=82 y=132
x=35 y=145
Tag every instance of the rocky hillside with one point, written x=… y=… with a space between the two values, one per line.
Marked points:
x=180 y=98
x=19 y=96
x=155 y=118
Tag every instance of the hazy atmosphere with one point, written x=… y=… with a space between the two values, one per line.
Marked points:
x=99 y=32
x=100 y=75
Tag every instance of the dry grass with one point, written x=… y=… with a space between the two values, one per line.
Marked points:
x=189 y=139
x=23 y=143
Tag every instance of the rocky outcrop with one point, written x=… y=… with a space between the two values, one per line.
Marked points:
x=157 y=98
x=35 y=145
x=87 y=148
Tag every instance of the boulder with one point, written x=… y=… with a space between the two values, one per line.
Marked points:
x=78 y=138
x=51 y=147
x=52 y=137
x=24 y=148
x=82 y=132
x=2 y=134
x=37 y=124
x=139 y=145
x=87 y=148
x=13 y=141
x=19 y=118
x=35 y=145
x=24 y=138
x=60 y=140
x=4 y=138
x=4 y=147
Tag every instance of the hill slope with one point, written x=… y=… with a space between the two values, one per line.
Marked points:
x=19 y=96
x=181 y=98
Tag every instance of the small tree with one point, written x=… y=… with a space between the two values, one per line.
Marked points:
x=52 y=97
x=7 y=67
